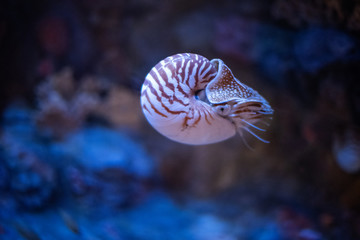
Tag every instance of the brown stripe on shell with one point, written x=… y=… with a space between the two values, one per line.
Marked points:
x=191 y=67
x=152 y=106
x=158 y=98
x=180 y=89
x=169 y=85
x=145 y=108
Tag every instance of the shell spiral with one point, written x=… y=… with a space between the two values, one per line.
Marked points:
x=192 y=100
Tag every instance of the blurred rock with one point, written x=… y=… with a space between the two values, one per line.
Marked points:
x=4 y=174
x=255 y=43
x=274 y=53
x=106 y=166
x=18 y=120
x=240 y=43
x=105 y=190
x=346 y=150
x=101 y=148
x=299 y=13
x=32 y=182
x=354 y=20
x=62 y=109
x=209 y=227
x=63 y=40
x=53 y=35
x=201 y=171
x=332 y=97
x=309 y=234
x=317 y=47
x=31 y=190
x=294 y=225
x=193 y=32
x=65 y=105
x=121 y=108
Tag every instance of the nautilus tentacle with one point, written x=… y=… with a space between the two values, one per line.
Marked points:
x=192 y=100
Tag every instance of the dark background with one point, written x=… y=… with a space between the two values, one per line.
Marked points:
x=79 y=161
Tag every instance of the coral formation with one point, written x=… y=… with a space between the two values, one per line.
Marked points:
x=65 y=105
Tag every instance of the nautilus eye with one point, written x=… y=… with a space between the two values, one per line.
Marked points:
x=223 y=110
x=192 y=100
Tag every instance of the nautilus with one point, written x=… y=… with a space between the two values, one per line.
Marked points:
x=193 y=100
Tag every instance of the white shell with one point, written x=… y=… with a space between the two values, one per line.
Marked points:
x=174 y=103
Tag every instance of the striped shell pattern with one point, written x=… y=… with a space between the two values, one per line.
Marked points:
x=192 y=100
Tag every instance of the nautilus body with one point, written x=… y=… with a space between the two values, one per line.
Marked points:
x=193 y=100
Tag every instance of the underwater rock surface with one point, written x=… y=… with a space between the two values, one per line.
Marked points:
x=99 y=148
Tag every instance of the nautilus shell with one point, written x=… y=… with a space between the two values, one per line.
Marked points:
x=193 y=100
